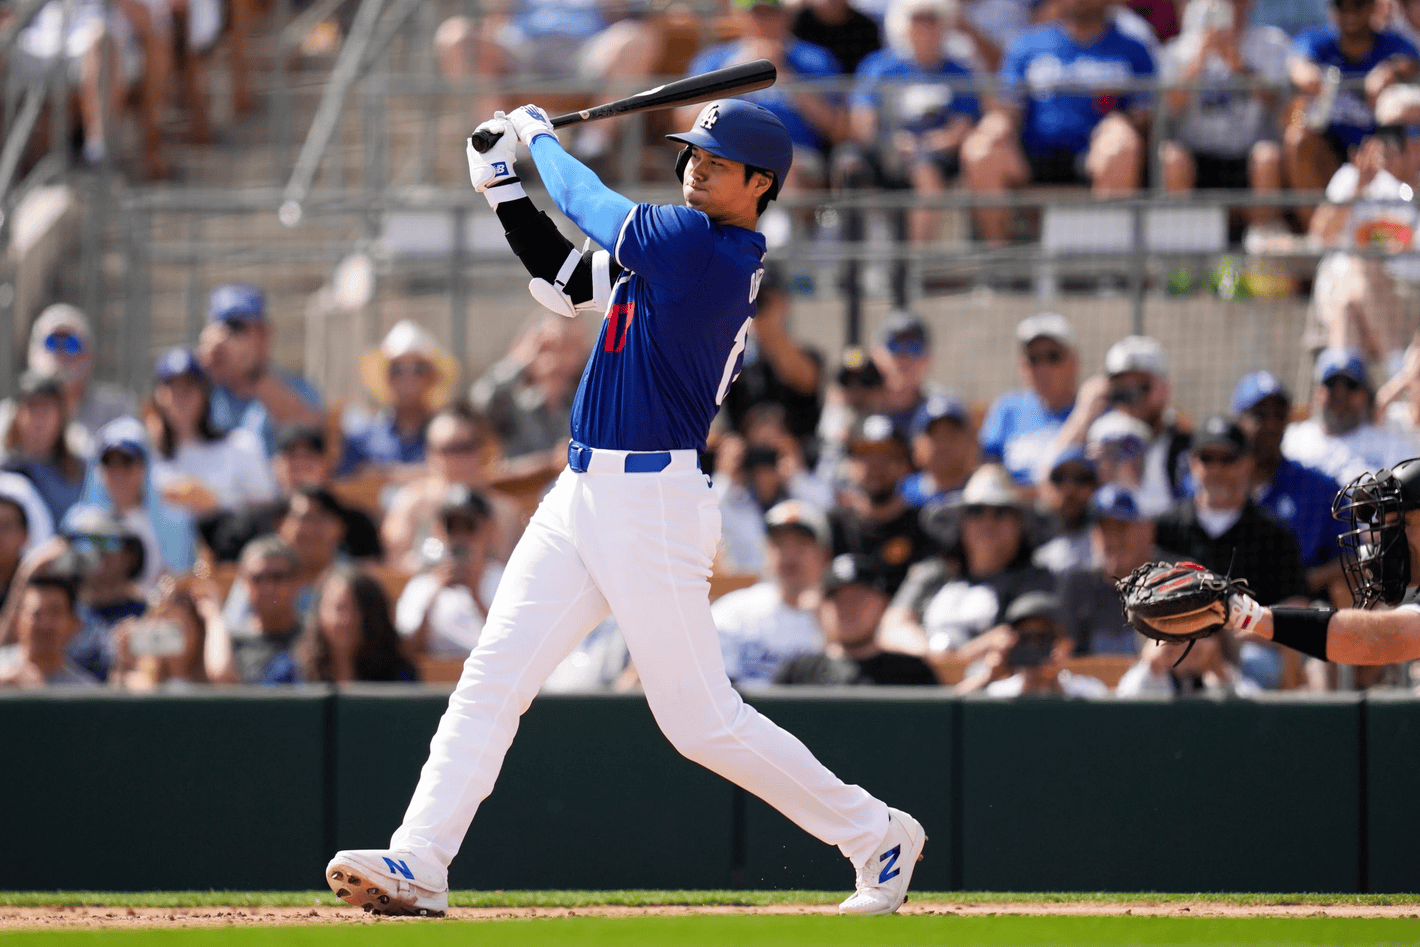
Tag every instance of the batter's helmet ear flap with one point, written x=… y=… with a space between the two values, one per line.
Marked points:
x=681 y=161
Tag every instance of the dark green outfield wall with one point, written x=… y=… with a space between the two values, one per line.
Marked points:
x=253 y=789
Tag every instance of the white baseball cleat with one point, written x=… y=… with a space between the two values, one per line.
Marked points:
x=386 y=882
x=883 y=880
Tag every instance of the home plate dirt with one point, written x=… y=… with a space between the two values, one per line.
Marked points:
x=12 y=918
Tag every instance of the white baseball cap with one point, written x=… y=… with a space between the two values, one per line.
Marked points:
x=1045 y=325
x=1136 y=353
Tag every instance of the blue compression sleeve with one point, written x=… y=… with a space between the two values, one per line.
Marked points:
x=579 y=193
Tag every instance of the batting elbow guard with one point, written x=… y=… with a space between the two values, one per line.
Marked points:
x=592 y=267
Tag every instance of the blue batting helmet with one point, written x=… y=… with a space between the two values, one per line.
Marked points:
x=740 y=131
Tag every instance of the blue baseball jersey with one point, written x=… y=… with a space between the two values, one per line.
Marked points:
x=1046 y=57
x=1351 y=118
x=1301 y=496
x=887 y=64
x=674 y=334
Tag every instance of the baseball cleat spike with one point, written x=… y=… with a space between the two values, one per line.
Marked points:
x=337 y=875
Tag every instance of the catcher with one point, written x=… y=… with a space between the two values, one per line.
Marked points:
x=1380 y=554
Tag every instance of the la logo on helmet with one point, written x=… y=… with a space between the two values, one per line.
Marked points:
x=709 y=117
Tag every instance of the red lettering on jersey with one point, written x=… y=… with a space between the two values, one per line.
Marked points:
x=618 y=323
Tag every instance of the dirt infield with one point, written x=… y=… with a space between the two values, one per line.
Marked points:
x=16 y=918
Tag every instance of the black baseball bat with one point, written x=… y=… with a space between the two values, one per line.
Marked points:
x=732 y=80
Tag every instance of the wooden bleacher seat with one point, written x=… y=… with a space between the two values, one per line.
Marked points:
x=391 y=579
x=724 y=582
x=438 y=670
x=362 y=492
x=1108 y=668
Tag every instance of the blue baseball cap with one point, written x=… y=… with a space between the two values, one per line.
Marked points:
x=240 y=301
x=125 y=435
x=1334 y=363
x=1074 y=454
x=1116 y=501
x=1254 y=388
x=936 y=408
x=178 y=361
x=740 y=131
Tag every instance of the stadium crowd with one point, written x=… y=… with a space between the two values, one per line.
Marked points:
x=225 y=526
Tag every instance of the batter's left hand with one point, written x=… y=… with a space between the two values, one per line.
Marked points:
x=487 y=169
x=529 y=121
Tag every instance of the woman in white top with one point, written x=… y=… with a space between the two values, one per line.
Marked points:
x=195 y=465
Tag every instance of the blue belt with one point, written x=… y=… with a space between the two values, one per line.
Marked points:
x=579 y=458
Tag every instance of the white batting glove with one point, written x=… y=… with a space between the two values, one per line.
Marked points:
x=529 y=121
x=1243 y=612
x=491 y=171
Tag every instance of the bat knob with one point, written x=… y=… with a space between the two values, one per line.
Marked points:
x=483 y=140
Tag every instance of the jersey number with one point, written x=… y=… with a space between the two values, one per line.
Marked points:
x=733 y=363
x=618 y=323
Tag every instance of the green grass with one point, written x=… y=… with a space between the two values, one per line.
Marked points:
x=767 y=931
x=575 y=899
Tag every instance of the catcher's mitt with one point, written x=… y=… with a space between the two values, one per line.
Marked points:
x=1177 y=601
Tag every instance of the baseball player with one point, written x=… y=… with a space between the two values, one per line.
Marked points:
x=1381 y=558
x=630 y=527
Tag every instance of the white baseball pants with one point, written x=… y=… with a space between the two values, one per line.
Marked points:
x=639 y=545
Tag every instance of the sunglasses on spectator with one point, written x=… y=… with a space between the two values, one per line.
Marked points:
x=1130 y=394
x=1050 y=357
x=1218 y=460
x=118 y=458
x=1351 y=4
x=1342 y=381
x=260 y=578
x=1399 y=133
x=235 y=326
x=989 y=512
x=457 y=447
x=412 y=369
x=1122 y=450
x=1080 y=478
x=908 y=345
x=62 y=343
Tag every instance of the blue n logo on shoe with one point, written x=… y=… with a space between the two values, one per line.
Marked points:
x=398 y=867
x=889 y=871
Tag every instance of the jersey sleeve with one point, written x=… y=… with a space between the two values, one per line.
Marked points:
x=993 y=432
x=1393 y=44
x=1141 y=63
x=577 y=191
x=865 y=88
x=1010 y=80
x=667 y=245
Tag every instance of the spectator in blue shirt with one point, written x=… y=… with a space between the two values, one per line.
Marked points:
x=1329 y=121
x=410 y=376
x=909 y=112
x=1021 y=425
x=1039 y=135
x=814 y=121
x=1298 y=495
x=248 y=390
x=943 y=449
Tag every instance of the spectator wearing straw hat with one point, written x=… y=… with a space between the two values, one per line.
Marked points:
x=248 y=390
x=1020 y=425
x=411 y=377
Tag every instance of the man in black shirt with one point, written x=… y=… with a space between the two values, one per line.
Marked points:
x=876 y=521
x=1222 y=529
x=853 y=604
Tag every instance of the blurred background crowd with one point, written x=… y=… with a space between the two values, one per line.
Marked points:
x=322 y=479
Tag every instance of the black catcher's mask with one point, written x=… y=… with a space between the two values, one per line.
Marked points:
x=1375 y=555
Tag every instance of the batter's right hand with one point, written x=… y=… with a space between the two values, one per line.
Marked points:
x=529 y=121
x=488 y=168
